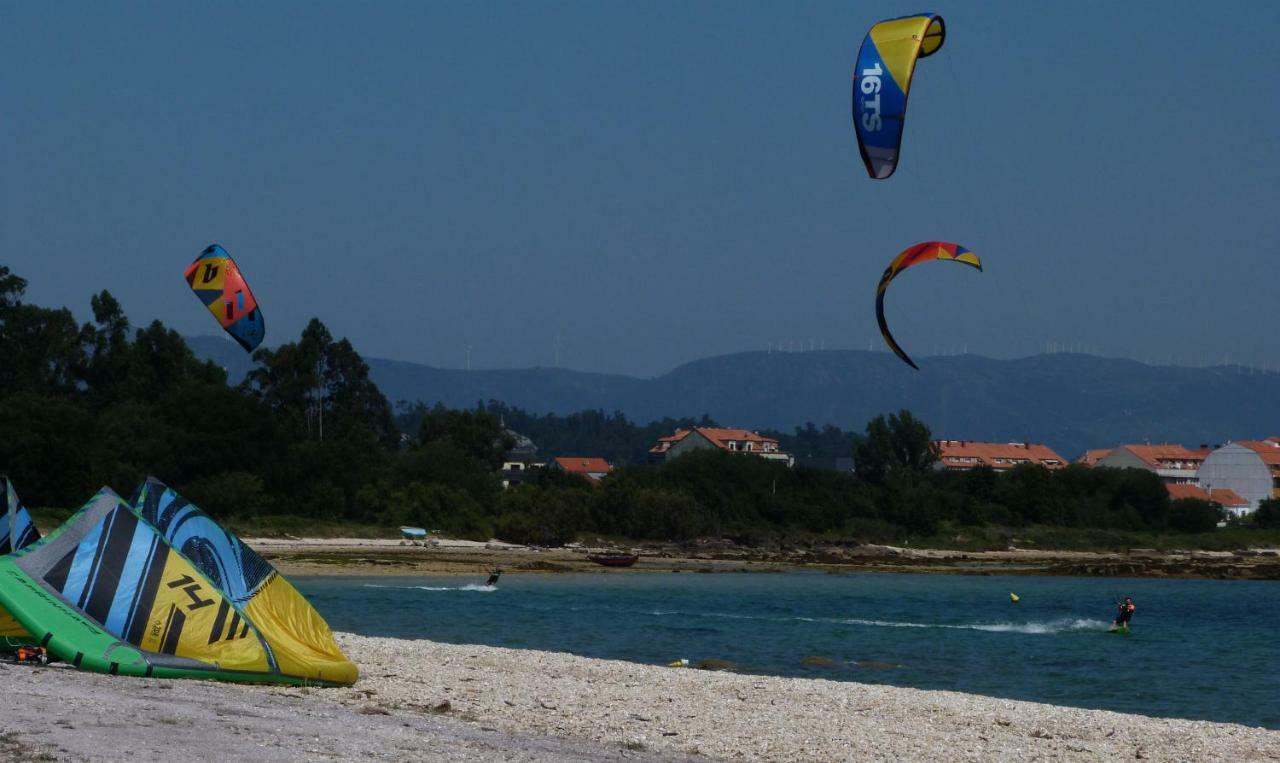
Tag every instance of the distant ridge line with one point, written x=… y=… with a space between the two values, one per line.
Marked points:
x=1070 y=401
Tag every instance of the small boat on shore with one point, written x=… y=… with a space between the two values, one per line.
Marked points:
x=413 y=533
x=614 y=560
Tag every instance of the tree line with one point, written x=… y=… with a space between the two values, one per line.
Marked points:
x=308 y=434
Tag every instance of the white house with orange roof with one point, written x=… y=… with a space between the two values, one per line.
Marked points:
x=1174 y=464
x=731 y=440
x=1248 y=467
x=962 y=455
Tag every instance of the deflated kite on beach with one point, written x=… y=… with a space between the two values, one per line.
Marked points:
x=922 y=252
x=17 y=531
x=882 y=81
x=16 y=528
x=217 y=281
x=160 y=589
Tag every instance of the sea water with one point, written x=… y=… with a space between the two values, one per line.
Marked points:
x=1198 y=649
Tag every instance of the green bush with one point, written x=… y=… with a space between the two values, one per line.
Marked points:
x=1192 y=515
x=1267 y=517
x=437 y=507
x=230 y=494
x=541 y=517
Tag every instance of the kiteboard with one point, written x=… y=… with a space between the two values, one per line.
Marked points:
x=1119 y=630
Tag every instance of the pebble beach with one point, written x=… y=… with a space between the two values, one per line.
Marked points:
x=422 y=700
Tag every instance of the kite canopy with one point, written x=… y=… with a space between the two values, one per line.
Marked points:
x=881 y=82
x=17 y=531
x=217 y=281
x=923 y=252
x=114 y=591
x=299 y=641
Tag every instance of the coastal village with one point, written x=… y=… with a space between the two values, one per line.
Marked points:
x=418 y=381
x=1237 y=475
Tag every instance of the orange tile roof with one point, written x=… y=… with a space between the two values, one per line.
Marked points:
x=721 y=435
x=1152 y=455
x=1269 y=450
x=1093 y=456
x=1227 y=497
x=1224 y=496
x=580 y=465
x=665 y=443
x=997 y=454
x=717 y=435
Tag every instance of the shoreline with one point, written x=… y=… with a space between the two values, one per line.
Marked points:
x=355 y=556
x=422 y=700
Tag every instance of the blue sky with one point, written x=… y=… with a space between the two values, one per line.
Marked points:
x=651 y=182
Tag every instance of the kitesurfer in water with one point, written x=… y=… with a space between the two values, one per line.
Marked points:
x=1125 y=613
x=493 y=577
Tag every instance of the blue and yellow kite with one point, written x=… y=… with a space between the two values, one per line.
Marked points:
x=881 y=81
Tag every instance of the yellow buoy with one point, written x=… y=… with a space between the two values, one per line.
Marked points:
x=1013 y=597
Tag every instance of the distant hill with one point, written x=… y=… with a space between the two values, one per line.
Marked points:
x=224 y=352
x=1069 y=401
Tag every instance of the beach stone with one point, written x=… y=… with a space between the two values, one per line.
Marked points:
x=718 y=716
x=714 y=664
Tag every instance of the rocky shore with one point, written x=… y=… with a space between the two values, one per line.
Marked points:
x=380 y=556
x=420 y=700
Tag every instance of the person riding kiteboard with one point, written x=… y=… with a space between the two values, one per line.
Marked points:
x=1124 y=614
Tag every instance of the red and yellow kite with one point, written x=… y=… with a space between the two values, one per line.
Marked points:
x=923 y=252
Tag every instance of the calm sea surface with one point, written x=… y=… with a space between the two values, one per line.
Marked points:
x=1199 y=649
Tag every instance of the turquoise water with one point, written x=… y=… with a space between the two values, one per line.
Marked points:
x=1199 y=649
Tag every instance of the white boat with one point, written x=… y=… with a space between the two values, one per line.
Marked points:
x=413 y=533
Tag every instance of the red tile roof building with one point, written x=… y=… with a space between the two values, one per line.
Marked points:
x=1249 y=467
x=1000 y=456
x=732 y=440
x=1092 y=457
x=1225 y=497
x=593 y=469
x=1268 y=450
x=1173 y=463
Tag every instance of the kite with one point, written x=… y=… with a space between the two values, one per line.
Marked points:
x=16 y=532
x=923 y=252
x=881 y=81
x=157 y=588
x=217 y=281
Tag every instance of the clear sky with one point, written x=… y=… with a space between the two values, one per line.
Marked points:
x=650 y=183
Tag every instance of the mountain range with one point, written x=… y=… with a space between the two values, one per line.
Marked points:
x=1069 y=401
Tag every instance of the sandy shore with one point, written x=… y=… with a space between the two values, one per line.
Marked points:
x=420 y=700
x=356 y=556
